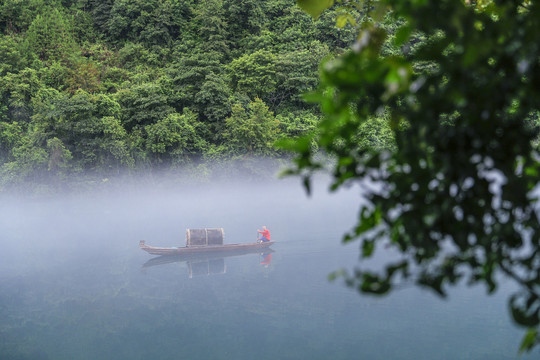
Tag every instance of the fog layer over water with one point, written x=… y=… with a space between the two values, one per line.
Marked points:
x=75 y=285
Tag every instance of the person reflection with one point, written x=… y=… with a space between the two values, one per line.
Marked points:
x=266 y=259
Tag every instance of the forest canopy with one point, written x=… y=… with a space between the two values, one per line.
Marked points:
x=104 y=87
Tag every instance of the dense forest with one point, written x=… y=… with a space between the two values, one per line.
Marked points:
x=103 y=87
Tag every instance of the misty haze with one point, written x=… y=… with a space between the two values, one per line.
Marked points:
x=142 y=217
x=75 y=285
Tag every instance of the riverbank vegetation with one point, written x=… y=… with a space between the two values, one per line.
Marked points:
x=101 y=88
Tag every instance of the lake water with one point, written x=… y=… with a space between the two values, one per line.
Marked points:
x=75 y=285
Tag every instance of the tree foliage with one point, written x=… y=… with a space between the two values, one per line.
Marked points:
x=151 y=22
x=455 y=197
x=50 y=36
x=254 y=74
x=171 y=69
x=251 y=131
x=175 y=138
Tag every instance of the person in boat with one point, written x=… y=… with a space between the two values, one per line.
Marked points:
x=265 y=234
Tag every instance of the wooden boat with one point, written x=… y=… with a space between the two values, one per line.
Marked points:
x=204 y=249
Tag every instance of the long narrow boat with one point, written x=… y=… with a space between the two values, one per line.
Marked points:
x=203 y=249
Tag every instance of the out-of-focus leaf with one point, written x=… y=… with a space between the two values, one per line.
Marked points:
x=335 y=274
x=402 y=35
x=368 y=246
x=307 y=184
x=315 y=7
x=529 y=340
x=523 y=316
x=379 y=11
x=374 y=284
x=458 y=86
x=341 y=20
x=531 y=170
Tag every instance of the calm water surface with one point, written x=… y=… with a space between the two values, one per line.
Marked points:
x=75 y=285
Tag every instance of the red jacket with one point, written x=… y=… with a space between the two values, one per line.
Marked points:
x=265 y=234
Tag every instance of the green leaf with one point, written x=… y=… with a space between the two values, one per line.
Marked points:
x=523 y=315
x=531 y=171
x=368 y=246
x=341 y=20
x=314 y=7
x=307 y=184
x=374 y=284
x=379 y=11
x=402 y=35
x=335 y=274
x=529 y=340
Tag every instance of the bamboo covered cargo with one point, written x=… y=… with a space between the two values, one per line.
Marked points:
x=204 y=237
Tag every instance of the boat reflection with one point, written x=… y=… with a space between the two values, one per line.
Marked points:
x=208 y=263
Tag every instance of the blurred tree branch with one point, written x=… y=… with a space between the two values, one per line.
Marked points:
x=459 y=83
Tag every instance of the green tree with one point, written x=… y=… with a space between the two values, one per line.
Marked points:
x=17 y=90
x=143 y=105
x=297 y=74
x=115 y=145
x=243 y=18
x=212 y=100
x=11 y=136
x=86 y=76
x=11 y=57
x=174 y=138
x=86 y=125
x=50 y=36
x=211 y=26
x=101 y=12
x=29 y=163
x=254 y=74
x=291 y=24
x=294 y=125
x=455 y=197
x=59 y=157
x=197 y=83
x=17 y=15
x=253 y=130
x=54 y=75
x=150 y=21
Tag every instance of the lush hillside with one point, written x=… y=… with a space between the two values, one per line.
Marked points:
x=101 y=86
